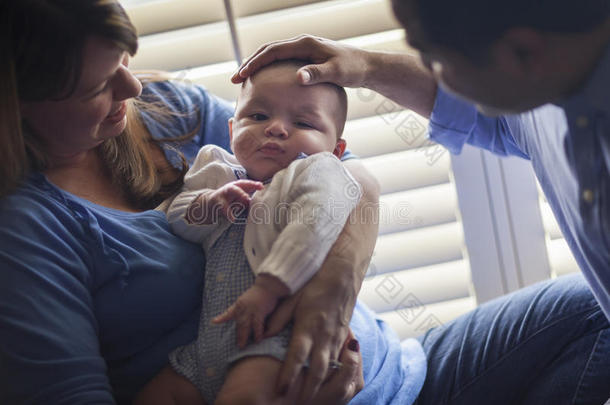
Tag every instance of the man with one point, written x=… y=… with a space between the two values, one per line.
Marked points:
x=526 y=78
x=538 y=74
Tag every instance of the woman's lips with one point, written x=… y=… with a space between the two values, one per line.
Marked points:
x=118 y=115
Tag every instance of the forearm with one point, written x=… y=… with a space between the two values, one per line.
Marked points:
x=402 y=78
x=348 y=259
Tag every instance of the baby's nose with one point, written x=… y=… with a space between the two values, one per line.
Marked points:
x=276 y=128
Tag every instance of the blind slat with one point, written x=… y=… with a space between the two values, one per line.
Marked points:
x=410 y=169
x=413 y=322
x=417 y=208
x=424 y=285
x=210 y=43
x=417 y=248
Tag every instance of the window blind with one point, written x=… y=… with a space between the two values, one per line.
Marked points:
x=419 y=275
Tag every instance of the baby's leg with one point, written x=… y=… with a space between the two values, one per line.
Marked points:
x=169 y=388
x=252 y=380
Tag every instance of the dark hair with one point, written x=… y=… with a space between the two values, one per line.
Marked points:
x=471 y=26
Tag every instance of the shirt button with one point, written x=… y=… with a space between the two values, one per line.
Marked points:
x=220 y=277
x=582 y=121
x=588 y=195
x=210 y=371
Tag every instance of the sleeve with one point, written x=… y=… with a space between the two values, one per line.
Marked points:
x=210 y=171
x=49 y=351
x=192 y=108
x=316 y=196
x=454 y=122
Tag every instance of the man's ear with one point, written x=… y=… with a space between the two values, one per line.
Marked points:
x=339 y=148
x=523 y=52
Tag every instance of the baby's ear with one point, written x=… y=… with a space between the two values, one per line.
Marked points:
x=231 y=130
x=339 y=148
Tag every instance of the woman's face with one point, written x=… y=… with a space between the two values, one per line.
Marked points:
x=94 y=112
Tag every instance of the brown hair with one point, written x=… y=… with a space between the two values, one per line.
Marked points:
x=44 y=41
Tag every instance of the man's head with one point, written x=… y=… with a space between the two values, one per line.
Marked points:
x=277 y=118
x=507 y=56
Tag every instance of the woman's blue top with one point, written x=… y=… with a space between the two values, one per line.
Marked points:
x=92 y=299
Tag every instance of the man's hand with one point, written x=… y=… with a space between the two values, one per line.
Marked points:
x=228 y=201
x=252 y=308
x=332 y=61
x=400 y=76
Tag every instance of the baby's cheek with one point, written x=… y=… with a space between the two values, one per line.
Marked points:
x=246 y=144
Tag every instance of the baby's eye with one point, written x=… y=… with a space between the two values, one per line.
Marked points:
x=304 y=125
x=258 y=117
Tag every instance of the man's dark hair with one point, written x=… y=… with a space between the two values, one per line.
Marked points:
x=471 y=26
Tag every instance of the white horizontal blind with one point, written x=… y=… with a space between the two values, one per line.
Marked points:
x=419 y=276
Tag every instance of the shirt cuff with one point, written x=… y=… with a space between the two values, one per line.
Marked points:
x=451 y=121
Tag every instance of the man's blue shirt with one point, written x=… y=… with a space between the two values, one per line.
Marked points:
x=569 y=147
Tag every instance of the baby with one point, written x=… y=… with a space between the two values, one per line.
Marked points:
x=286 y=138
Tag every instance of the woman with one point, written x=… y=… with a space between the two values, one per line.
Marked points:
x=95 y=291
x=90 y=273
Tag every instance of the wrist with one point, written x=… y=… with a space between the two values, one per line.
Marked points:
x=272 y=285
x=374 y=62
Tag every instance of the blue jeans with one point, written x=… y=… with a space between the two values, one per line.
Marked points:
x=546 y=344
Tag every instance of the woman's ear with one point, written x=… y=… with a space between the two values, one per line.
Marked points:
x=339 y=148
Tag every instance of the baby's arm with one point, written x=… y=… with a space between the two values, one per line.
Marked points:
x=253 y=306
x=213 y=169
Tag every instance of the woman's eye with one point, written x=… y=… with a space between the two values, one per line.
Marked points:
x=258 y=117
x=97 y=93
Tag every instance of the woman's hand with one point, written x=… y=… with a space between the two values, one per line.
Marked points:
x=346 y=382
x=321 y=311
x=332 y=61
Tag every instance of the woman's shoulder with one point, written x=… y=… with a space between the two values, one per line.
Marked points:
x=173 y=109
x=182 y=96
x=32 y=201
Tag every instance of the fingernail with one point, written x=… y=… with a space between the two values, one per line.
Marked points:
x=305 y=76
x=353 y=345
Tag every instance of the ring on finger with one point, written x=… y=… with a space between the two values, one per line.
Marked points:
x=335 y=365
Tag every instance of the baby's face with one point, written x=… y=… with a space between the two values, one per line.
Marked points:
x=277 y=118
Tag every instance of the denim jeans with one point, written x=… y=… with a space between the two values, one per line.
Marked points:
x=545 y=344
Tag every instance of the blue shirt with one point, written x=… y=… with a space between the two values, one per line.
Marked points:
x=92 y=299
x=569 y=147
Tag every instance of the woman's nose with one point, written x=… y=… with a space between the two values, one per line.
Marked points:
x=276 y=128
x=126 y=85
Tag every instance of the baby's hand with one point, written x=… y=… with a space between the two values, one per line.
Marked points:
x=252 y=307
x=228 y=200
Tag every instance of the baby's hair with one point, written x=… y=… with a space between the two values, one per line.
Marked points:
x=341 y=110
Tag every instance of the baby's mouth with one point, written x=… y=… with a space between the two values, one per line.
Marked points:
x=271 y=148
